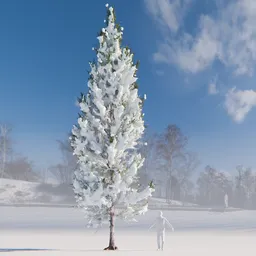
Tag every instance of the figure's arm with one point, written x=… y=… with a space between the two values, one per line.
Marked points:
x=169 y=224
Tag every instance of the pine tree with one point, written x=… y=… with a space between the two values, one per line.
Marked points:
x=107 y=135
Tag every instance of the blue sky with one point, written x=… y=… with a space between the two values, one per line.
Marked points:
x=197 y=68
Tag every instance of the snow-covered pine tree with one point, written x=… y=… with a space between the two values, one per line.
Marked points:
x=105 y=140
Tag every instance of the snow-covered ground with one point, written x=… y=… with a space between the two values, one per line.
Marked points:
x=61 y=231
x=162 y=202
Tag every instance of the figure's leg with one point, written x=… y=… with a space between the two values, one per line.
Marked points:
x=163 y=240
x=158 y=240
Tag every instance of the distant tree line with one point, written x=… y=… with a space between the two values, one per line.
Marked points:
x=241 y=187
x=170 y=165
x=19 y=167
x=12 y=165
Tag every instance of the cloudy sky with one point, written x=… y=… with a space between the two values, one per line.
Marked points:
x=198 y=35
x=213 y=43
x=197 y=68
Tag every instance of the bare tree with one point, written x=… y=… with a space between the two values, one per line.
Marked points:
x=184 y=172
x=206 y=184
x=5 y=146
x=213 y=185
x=171 y=146
x=245 y=185
x=44 y=174
x=64 y=171
x=21 y=169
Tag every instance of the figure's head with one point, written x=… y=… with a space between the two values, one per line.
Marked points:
x=160 y=214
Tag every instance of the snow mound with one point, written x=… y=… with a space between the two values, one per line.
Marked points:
x=12 y=191
x=24 y=192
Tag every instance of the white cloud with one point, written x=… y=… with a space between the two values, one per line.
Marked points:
x=212 y=89
x=238 y=103
x=167 y=13
x=188 y=53
x=229 y=36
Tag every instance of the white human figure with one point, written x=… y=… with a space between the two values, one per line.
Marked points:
x=226 y=200
x=160 y=224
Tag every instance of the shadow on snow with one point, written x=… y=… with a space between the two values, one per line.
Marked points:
x=41 y=249
x=24 y=249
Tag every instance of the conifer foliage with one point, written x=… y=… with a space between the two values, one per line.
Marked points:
x=106 y=137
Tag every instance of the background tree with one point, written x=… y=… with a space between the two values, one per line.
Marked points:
x=245 y=186
x=44 y=175
x=184 y=172
x=212 y=186
x=21 y=169
x=105 y=139
x=64 y=171
x=170 y=151
x=5 y=147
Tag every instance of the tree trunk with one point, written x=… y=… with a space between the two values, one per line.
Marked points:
x=111 y=245
x=4 y=156
x=169 y=190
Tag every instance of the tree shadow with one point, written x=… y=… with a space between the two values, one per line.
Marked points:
x=43 y=249
x=2 y=250
x=24 y=249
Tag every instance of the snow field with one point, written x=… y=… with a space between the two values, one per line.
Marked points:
x=45 y=218
x=138 y=243
x=61 y=231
